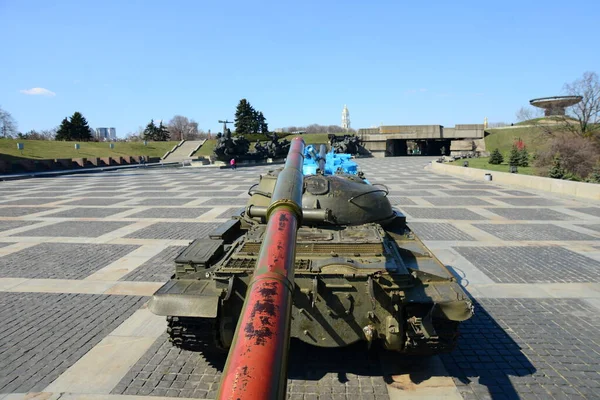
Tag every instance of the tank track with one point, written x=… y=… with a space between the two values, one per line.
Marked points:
x=194 y=334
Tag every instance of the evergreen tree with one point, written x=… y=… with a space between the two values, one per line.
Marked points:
x=80 y=130
x=255 y=121
x=64 y=130
x=557 y=171
x=496 y=157
x=523 y=157
x=515 y=156
x=263 y=127
x=150 y=131
x=162 y=133
x=244 y=118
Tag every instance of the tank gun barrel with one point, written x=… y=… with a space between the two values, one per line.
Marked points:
x=256 y=366
x=322 y=156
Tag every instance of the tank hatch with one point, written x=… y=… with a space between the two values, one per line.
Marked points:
x=316 y=185
x=201 y=252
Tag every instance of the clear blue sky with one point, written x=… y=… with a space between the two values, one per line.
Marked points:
x=122 y=63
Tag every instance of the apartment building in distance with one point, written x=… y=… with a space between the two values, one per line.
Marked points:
x=106 y=134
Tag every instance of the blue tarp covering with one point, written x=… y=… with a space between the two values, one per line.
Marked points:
x=333 y=162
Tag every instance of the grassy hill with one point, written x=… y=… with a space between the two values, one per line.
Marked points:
x=309 y=138
x=503 y=139
x=45 y=149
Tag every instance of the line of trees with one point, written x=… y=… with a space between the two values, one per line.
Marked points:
x=316 y=128
x=156 y=133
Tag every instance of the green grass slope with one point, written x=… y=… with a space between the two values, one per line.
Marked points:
x=46 y=149
x=503 y=139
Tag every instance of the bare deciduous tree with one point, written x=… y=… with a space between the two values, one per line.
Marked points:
x=44 y=134
x=587 y=111
x=527 y=113
x=181 y=128
x=8 y=126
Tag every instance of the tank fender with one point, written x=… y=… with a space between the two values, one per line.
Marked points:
x=185 y=298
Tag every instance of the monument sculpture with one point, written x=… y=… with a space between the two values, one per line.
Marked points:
x=274 y=148
x=349 y=144
x=238 y=147
x=229 y=146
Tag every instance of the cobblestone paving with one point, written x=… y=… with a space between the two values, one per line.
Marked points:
x=30 y=202
x=93 y=193
x=8 y=225
x=531 y=214
x=41 y=335
x=528 y=349
x=61 y=260
x=171 y=213
x=595 y=211
x=174 y=230
x=226 y=201
x=594 y=227
x=47 y=193
x=532 y=232
x=401 y=201
x=442 y=213
x=516 y=193
x=468 y=192
x=87 y=212
x=94 y=202
x=20 y=211
x=217 y=193
x=411 y=193
x=532 y=264
x=162 y=193
x=75 y=229
x=436 y=231
x=529 y=201
x=457 y=201
x=313 y=373
x=231 y=212
x=163 y=202
x=512 y=348
x=159 y=268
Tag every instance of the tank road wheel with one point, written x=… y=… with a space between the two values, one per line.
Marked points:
x=195 y=334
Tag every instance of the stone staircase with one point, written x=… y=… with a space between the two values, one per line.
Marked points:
x=184 y=151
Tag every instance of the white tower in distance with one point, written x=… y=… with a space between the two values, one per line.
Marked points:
x=345 y=118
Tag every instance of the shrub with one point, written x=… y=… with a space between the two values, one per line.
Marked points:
x=523 y=157
x=577 y=155
x=594 y=176
x=515 y=156
x=557 y=171
x=496 y=157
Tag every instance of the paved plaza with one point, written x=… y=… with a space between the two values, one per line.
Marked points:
x=81 y=254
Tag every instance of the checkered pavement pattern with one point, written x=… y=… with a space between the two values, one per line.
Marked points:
x=72 y=230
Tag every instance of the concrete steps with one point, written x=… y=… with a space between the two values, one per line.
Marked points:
x=184 y=151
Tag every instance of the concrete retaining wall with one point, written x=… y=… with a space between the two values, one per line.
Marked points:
x=569 y=188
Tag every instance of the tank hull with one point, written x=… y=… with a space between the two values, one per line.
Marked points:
x=353 y=283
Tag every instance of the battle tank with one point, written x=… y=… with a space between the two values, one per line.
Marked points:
x=359 y=273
